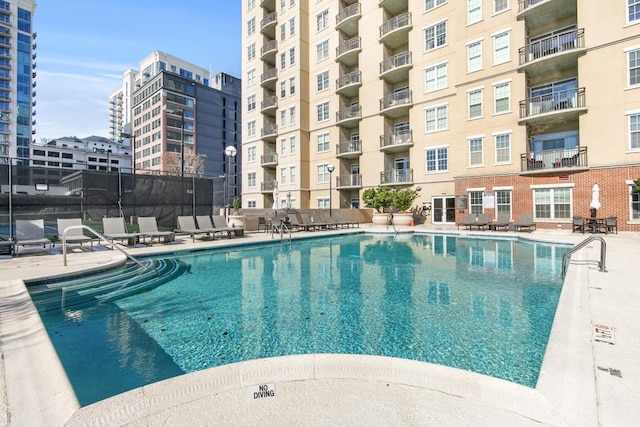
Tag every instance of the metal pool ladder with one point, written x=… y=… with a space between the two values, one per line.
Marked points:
x=585 y=242
x=281 y=229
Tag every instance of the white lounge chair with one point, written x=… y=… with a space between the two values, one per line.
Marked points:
x=30 y=232
x=114 y=229
x=72 y=235
x=187 y=225
x=148 y=227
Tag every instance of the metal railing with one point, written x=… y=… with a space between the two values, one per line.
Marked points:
x=348 y=12
x=603 y=254
x=281 y=229
x=553 y=102
x=349 y=45
x=564 y=42
x=395 y=23
x=351 y=78
x=553 y=159
x=399 y=60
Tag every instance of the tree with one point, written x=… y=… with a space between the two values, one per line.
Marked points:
x=378 y=198
x=193 y=164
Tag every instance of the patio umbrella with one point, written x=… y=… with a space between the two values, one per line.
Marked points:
x=595 y=199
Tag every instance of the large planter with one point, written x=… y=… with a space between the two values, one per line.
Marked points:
x=405 y=219
x=237 y=221
x=381 y=218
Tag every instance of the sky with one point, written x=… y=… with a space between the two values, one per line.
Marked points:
x=85 y=46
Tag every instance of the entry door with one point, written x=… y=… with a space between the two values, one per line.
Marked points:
x=443 y=210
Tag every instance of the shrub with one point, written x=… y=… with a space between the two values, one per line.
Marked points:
x=402 y=198
x=379 y=198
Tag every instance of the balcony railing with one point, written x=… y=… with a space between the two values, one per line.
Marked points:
x=269 y=130
x=270 y=102
x=396 y=61
x=351 y=44
x=271 y=73
x=396 y=176
x=395 y=23
x=350 y=113
x=396 y=99
x=268 y=186
x=348 y=12
x=271 y=18
x=549 y=160
x=347 y=147
x=353 y=180
x=269 y=46
x=564 y=42
x=269 y=159
x=351 y=78
x=396 y=138
x=524 y=4
x=556 y=101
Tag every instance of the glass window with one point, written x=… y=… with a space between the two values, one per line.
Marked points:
x=435 y=36
x=322 y=20
x=322 y=50
x=474 y=51
x=474 y=8
x=251 y=52
x=436 y=118
x=251 y=179
x=503 y=202
x=251 y=102
x=323 y=111
x=501 y=95
x=323 y=173
x=435 y=77
x=430 y=4
x=292 y=85
x=283 y=61
x=251 y=4
x=283 y=117
x=251 y=26
x=251 y=128
x=251 y=77
x=635 y=202
x=292 y=26
x=552 y=203
x=292 y=115
x=251 y=154
x=503 y=148
x=283 y=32
x=475 y=103
x=292 y=56
x=437 y=159
x=475 y=202
x=501 y=48
x=323 y=142
x=283 y=175
x=292 y=144
x=322 y=81
x=292 y=176
x=634 y=10
x=283 y=89
x=500 y=5
x=634 y=67
x=475 y=152
x=634 y=132
x=283 y=146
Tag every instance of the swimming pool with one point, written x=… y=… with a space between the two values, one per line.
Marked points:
x=482 y=305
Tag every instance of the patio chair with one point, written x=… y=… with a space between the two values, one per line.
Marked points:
x=503 y=221
x=611 y=224
x=482 y=221
x=468 y=221
x=305 y=222
x=327 y=222
x=262 y=223
x=579 y=224
x=72 y=235
x=187 y=225
x=526 y=223
x=30 y=232
x=115 y=229
x=148 y=227
x=338 y=218
x=219 y=223
x=204 y=223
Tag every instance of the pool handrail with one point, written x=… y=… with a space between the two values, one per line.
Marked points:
x=585 y=242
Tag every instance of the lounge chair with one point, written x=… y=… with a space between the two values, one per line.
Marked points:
x=187 y=225
x=326 y=222
x=30 y=232
x=337 y=217
x=219 y=223
x=468 y=221
x=482 y=221
x=7 y=245
x=72 y=235
x=526 y=222
x=579 y=224
x=305 y=222
x=204 y=223
x=148 y=227
x=115 y=229
x=503 y=221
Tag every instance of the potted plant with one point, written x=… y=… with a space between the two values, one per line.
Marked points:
x=237 y=218
x=379 y=199
x=401 y=202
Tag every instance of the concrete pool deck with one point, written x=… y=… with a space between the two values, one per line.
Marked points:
x=589 y=377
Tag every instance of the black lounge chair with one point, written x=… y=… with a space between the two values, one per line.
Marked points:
x=579 y=224
x=526 y=223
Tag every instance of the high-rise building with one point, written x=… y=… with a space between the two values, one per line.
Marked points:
x=494 y=106
x=17 y=78
x=179 y=119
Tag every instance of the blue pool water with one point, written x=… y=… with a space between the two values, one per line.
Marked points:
x=481 y=305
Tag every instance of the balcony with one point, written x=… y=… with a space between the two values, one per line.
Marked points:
x=344 y=182
x=393 y=6
x=269 y=78
x=347 y=52
x=396 y=68
x=269 y=105
x=268 y=25
x=538 y=13
x=349 y=149
x=561 y=106
x=269 y=132
x=268 y=51
x=269 y=160
x=396 y=104
x=268 y=186
x=349 y=117
x=349 y=84
x=551 y=54
x=347 y=19
x=396 y=177
x=269 y=5
x=396 y=142
x=394 y=33
x=557 y=160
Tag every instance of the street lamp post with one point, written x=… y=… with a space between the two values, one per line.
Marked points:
x=230 y=151
x=330 y=168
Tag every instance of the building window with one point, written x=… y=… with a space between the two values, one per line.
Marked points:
x=322 y=50
x=635 y=202
x=501 y=48
x=323 y=173
x=475 y=202
x=283 y=146
x=503 y=202
x=501 y=95
x=283 y=5
x=292 y=145
x=432 y=4
x=323 y=203
x=283 y=89
x=634 y=132
x=251 y=179
x=251 y=4
x=251 y=77
x=292 y=26
x=251 y=154
x=435 y=36
x=552 y=203
x=251 y=128
x=323 y=142
x=436 y=118
x=322 y=81
x=292 y=85
x=634 y=67
x=474 y=55
x=500 y=5
x=474 y=8
x=251 y=26
x=283 y=175
x=283 y=32
x=283 y=61
x=435 y=77
x=292 y=56
x=437 y=159
x=251 y=52
x=503 y=148
x=251 y=102
x=251 y=204
x=292 y=175
x=323 y=111
x=475 y=103
x=634 y=10
x=475 y=151
x=322 y=20
x=283 y=117
x=292 y=115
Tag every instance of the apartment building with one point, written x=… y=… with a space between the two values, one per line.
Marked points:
x=17 y=78
x=495 y=106
x=179 y=119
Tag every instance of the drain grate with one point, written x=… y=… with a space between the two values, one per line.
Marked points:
x=604 y=334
